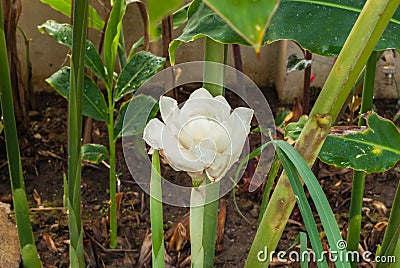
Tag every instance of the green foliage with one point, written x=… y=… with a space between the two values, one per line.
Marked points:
x=302 y=202
x=111 y=38
x=64 y=6
x=20 y=201
x=317 y=194
x=94 y=153
x=29 y=256
x=203 y=22
x=137 y=71
x=293 y=130
x=375 y=149
x=140 y=108
x=93 y=103
x=62 y=33
x=257 y=13
x=158 y=10
x=322 y=26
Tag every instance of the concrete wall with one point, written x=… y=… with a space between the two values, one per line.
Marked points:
x=269 y=70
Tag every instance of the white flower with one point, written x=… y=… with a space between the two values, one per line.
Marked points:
x=204 y=136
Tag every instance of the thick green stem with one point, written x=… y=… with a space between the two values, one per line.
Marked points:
x=214 y=74
x=214 y=77
x=197 y=201
x=357 y=192
x=77 y=258
x=354 y=55
x=113 y=177
x=391 y=237
x=156 y=213
x=210 y=222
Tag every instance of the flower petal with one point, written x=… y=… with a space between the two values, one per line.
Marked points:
x=169 y=111
x=152 y=133
x=179 y=157
x=240 y=120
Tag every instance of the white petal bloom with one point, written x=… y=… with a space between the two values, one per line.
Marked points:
x=204 y=136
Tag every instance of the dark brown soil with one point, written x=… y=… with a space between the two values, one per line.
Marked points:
x=44 y=155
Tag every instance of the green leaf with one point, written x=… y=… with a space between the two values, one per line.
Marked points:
x=62 y=33
x=375 y=149
x=323 y=26
x=249 y=18
x=93 y=103
x=319 y=199
x=111 y=38
x=303 y=204
x=203 y=22
x=179 y=17
x=64 y=6
x=293 y=130
x=30 y=257
x=138 y=70
x=140 y=110
x=158 y=10
x=94 y=153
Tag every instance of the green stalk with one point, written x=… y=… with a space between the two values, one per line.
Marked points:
x=197 y=201
x=214 y=77
x=113 y=177
x=77 y=258
x=214 y=74
x=390 y=243
x=369 y=26
x=357 y=192
x=30 y=257
x=156 y=213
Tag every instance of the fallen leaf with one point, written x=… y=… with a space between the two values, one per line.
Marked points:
x=50 y=243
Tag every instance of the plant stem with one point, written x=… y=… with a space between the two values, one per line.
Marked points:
x=113 y=177
x=77 y=258
x=367 y=30
x=21 y=208
x=357 y=192
x=197 y=201
x=156 y=213
x=214 y=75
x=392 y=229
x=210 y=222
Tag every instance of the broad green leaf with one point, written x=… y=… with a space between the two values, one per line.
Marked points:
x=375 y=149
x=138 y=70
x=203 y=22
x=93 y=103
x=158 y=10
x=293 y=130
x=94 y=153
x=134 y=115
x=179 y=17
x=319 y=199
x=111 y=38
x=323 y=26
x=64 y=6
x=62 y=33
x=249 y=18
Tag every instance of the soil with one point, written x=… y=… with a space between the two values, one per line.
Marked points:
x=44 y=158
